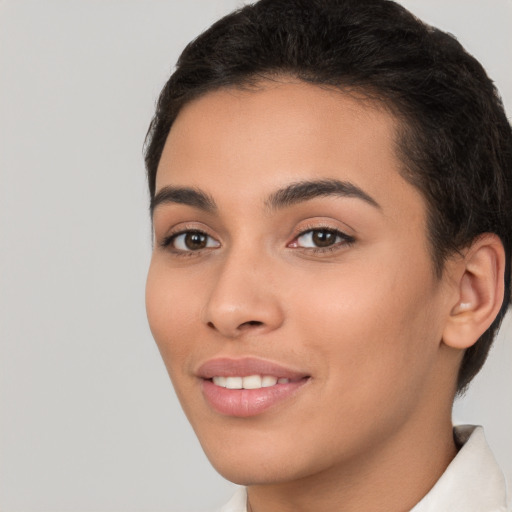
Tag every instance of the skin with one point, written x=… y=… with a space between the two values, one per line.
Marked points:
x=371 y=429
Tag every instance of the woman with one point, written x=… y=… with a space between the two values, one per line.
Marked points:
x=331 y=194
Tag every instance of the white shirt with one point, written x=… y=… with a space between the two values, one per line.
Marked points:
x=472 y=482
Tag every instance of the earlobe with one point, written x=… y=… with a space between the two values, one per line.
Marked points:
x=480 y=289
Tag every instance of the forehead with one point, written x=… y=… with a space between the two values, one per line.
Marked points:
x=253 y=142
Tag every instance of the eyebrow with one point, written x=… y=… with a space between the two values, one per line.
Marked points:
x=183 y=195
x=307 y=190
x=288 y=196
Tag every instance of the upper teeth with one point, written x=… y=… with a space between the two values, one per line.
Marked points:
x=249 y=382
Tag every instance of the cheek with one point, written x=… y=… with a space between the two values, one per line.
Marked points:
x=373 y=345
x=172 y=310
x=370 y=321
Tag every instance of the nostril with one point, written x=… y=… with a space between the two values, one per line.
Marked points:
x=250 y=323
x=245 y=325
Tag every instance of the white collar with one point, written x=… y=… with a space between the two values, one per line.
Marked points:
x=472 y=482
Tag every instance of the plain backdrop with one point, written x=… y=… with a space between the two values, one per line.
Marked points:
x=88 y=419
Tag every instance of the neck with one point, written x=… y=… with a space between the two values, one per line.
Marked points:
x=392 y=478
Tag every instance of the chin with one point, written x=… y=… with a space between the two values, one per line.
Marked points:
x=261 y=471
x=248 y=457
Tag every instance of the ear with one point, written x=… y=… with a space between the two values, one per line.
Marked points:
x=479 y=292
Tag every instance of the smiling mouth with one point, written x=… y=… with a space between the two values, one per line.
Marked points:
x=250 y=381
x=248 y=386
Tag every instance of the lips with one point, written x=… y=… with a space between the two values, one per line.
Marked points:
x=249 y=386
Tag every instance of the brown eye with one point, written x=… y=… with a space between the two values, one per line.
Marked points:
x=192 y=241
x=195 y=241
x=323 y=238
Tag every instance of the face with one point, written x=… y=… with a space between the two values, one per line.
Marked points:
x=291 y=290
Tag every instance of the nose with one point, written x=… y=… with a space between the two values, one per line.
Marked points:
x=243 y=299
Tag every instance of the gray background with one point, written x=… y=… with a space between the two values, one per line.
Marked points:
x=88 y=418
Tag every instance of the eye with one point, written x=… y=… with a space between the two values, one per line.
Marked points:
x=188 y=241
x=321 y=238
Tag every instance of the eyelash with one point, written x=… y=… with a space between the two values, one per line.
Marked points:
x=346 y=241
x=168 y=241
